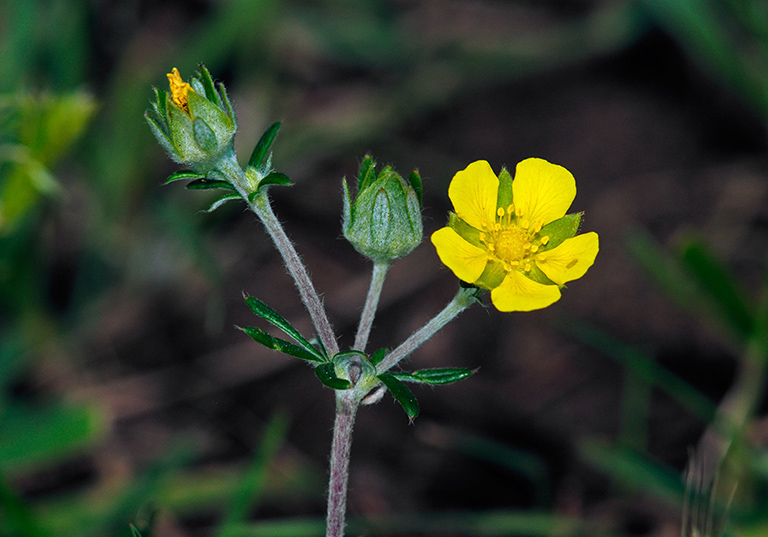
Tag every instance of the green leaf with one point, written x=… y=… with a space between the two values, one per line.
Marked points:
x=271 y=316
x=186 y=174
x=560 y=230
x=718 y=285
x=275 y=178
x=229 y=197
x=378 y=356
x=261 y=151
x=205 y=184
x=415 y=180
x=401 y=393
x=259 y=335
x=327 y=374
x=445 y=375
x=505 y=189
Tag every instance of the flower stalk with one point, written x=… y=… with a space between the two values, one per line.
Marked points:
x=260 y=205
x=463 y=299
x=371 y=303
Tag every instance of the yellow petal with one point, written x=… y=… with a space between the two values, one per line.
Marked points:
x=465 y=260
x=473 y=192
x=542 y=190
x=571 y=259
x=519 y=293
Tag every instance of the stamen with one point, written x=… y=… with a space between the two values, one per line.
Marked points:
x=519 y=212
x=525 y=224
x=500 y=211
x=534 y=247
x=545 y=239
x=497 y=226
x=527 y=267
x=541 y=257
x=511 y=209
x=481 y=236
x=538 y=225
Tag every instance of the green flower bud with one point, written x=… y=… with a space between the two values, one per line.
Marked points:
x=384 y=221
x=194 y=122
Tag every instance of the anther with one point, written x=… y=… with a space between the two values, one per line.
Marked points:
x=527 y=267
x=545 y=239
x=541 y=257
x=524 y=224
x=534 y=247
x=500 y=211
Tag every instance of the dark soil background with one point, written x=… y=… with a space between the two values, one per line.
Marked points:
x=658 y=144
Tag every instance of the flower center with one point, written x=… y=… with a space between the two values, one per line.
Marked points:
x=513 y=240
x=510 y=244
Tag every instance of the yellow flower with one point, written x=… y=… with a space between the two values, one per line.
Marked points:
x=179 y=90
x=514 y=237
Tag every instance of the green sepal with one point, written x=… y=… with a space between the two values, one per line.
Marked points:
x=259 y=335
x=204 y=135
x=492 y=275
x=275 y=178
x=260 y=153
x=186 y=174
x=415 y=180
x=229 y=197
x=467 y=232
x=161 y=104
x=560 y=230
x=504 y=199
x=327 y=374
x=401 y=393
x=366 y=173
x=446 y=375
x=210 y=90
x=378 y=355
x=205 y=184
x=537 y=275
x=227 y=104
x=271 y=316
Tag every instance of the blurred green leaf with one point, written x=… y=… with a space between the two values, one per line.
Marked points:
x=480 y=523
x=642 y=365
x=635 y=470
x=251 y=487
x=18 y=520
x=720 y=287
x=31 y=436
x=401 y=393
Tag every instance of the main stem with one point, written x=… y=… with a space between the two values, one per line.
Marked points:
x=371 y=303
x=460 y=302
x=346 y=408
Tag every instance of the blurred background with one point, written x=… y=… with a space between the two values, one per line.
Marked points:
x=127 y=396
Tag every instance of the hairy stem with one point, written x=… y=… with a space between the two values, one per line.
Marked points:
x=346 y=408
x=463 y=299
x=261 y=207
x=371 y=303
